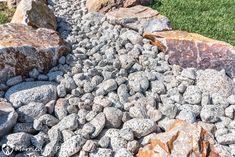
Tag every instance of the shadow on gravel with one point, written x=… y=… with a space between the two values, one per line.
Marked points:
x=63 y=27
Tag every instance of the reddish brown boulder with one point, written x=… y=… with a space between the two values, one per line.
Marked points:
x=180 y=140
x=22 y=48
x=194 y=50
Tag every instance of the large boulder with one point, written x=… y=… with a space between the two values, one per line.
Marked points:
x=193 y=138
x=22 y=48
x=140 y=18
x=8 y=118
x=35 y=13
x=26 y=92
x=194 y=50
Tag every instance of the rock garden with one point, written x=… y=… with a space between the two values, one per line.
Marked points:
x=105 y=78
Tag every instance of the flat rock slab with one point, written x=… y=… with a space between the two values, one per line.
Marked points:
x=35 y=13
x=26 y=92
x=23 y=48
x=8 y=118
x=140 y=17
x=194 y=50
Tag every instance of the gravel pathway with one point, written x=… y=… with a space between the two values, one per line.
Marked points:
x=114 y=92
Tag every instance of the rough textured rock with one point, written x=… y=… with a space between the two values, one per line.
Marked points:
x=71 y=146
x=26 y=92
x=179 y=134
x=194 y=50
x=34 y=13
x=102 y=5
x=140 y=127
x=22 y=48
x=8 y=118
x=140 y=17
x=212 y=81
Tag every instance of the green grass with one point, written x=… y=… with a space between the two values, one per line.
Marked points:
x=211 y=18
x=5 y=13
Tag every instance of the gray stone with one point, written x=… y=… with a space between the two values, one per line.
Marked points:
x=231 y=99
x=138 y=82
x=140 y=127
x=212 y=81
x=133 y=146
x=48 y=120
x=169 y=110
x=88 y=129
x=113 y=117
x=69 y=122
x=24 y=127
x=61 y=90
x=126 y=61
x=20 y=140
x=123 y=153
x=154 y=115
x=138 y=112
x=69 y=83
x=186 y=115
x=8 y=118
x=104 y=142
x=26 y=92
x=229 y=111
x=102 y=152
x=53 y=76
x=211 y=113
x=193 y=95
x=127 y=134
x=189 y=73
x=53 y=146
x=33 y=110
x=196 y=109
x=50 y=106
x=89 y=146
x=34 y=73
x=217 y=99
x=71 y=146
x=117 y=143
x=132 y=36
x=14 y=80
x=106 y=86
x=98 y=122
x=226 y=139
x=91 y=115
x=39 y=140
x=158 y=87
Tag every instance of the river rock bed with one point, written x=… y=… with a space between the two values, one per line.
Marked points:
x=111 y=94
